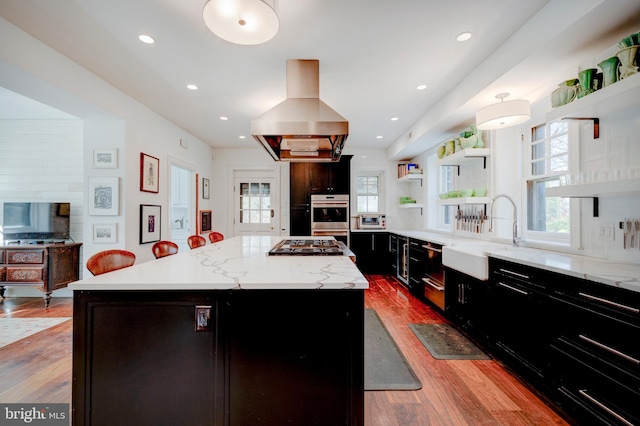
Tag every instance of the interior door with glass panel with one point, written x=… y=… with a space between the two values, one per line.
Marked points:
x=256 y=202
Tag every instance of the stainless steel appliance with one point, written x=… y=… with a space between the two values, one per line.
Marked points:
x=434 y=275
x=307 y=247
x=372 y=221
x=330 y=216
x=302 y=127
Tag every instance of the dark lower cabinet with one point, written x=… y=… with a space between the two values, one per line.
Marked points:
x=466 y=304
x=575 y=340
x=371 y=250
x=300 y=217
x=259 y=358
x=394 y=255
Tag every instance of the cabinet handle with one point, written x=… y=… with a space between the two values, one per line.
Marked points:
x=609 y=349
x=609 y=302
x=584 y=393
x=501 y=284
x=373 y=242
x=432 y=284
x=414 y=259
x=506 y=271
x=430 y=248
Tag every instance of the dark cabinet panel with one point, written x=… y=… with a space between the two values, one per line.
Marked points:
x=299 y=184
x=330 y=178
x=135 y=352
x=300 y=217
x=372 y=251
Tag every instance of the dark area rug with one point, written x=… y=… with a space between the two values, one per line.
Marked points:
x=443 y=341
x=385 y=368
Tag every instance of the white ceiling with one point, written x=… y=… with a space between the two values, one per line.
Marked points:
x=372 y=53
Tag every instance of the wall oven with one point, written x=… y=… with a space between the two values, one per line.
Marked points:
x=330 y=216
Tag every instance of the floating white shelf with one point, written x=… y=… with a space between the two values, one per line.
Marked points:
x=464 y=200
x=608 y=100
x=463 y=156
x=411 y=206
x=411 y=177
x=596 y=189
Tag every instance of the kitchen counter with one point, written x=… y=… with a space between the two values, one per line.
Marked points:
x=234 y=263
x=470 y=256
x=175 y=340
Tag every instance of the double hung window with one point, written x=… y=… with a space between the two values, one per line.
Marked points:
x=546 y=160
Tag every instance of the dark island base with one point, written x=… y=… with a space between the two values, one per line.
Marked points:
x=269 y=357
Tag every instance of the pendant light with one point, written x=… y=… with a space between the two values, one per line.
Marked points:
x=503 y=114
x=246 y=22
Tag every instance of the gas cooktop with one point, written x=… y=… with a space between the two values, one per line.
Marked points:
x=306 y=247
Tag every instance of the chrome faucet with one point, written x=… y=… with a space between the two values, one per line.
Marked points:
x=516 y=239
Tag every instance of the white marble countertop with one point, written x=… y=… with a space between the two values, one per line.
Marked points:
x=605 y=271
x=235 y=263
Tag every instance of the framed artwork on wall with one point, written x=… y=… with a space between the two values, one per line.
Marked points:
x=149 y=223
x=149 y=173
x=105 y=233
x=103 y=196
x=205 y=189
x=105 y=158
x=205 y=221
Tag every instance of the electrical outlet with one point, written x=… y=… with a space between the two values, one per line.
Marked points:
x=606 y=232
x=203 y=318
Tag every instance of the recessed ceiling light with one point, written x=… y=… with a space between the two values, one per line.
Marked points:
x=192 y=87
x=223 y=118
x=394 y=118
x=463 y=36
x=242 y=137
x=146 y=39
x=421 y=86
x=378 y=137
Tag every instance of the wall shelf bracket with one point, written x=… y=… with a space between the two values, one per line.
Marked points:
x=596 y=124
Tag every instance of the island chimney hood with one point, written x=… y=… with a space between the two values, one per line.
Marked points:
x=302 y=127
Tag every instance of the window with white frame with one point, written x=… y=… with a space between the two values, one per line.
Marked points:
x=547 y=160
x=445 y=182
x=369 y=192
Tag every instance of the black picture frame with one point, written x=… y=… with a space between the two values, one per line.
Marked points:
x=150 y=223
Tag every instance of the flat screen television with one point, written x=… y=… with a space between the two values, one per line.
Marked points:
x=26 y=221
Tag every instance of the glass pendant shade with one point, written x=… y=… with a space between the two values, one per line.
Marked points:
x=245 y=22
x=503 y=114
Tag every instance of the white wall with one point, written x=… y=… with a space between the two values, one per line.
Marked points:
x=110 y=119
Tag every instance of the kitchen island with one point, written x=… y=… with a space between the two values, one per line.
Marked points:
x=222 y=334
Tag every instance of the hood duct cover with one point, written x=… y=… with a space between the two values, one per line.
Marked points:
x=302 y=127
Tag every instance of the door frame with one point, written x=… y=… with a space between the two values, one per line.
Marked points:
x=277 y=169
x=173 y=161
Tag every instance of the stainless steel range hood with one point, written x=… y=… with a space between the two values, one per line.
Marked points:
x=302 y=127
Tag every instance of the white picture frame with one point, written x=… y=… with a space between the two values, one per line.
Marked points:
x=105 y=233
x=105 y=158
x=103 y=196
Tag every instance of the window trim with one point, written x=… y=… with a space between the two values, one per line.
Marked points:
x=381 y=200
x=572 y=238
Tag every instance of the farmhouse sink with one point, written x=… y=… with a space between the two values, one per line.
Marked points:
x=471 y=258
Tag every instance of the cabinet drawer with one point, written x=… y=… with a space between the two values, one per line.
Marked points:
x=23 y=274
x=589 y=393
x=25 y=256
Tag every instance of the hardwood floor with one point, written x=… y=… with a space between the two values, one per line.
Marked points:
x=38 y=369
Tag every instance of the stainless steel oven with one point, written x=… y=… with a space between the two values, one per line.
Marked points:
x=330 y=216
x=434 y=275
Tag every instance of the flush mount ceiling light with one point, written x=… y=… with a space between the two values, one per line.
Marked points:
x=245 y=22
x=503 y=114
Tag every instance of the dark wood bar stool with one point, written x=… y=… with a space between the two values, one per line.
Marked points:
x=196 y=241
x=164 y=248
x=110 y=260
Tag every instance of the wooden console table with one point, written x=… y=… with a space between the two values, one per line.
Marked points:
x=45 y=266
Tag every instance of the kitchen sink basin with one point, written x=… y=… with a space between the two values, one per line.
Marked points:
x=471 y=258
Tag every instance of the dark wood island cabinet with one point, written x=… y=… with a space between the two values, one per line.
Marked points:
x=280 y=343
